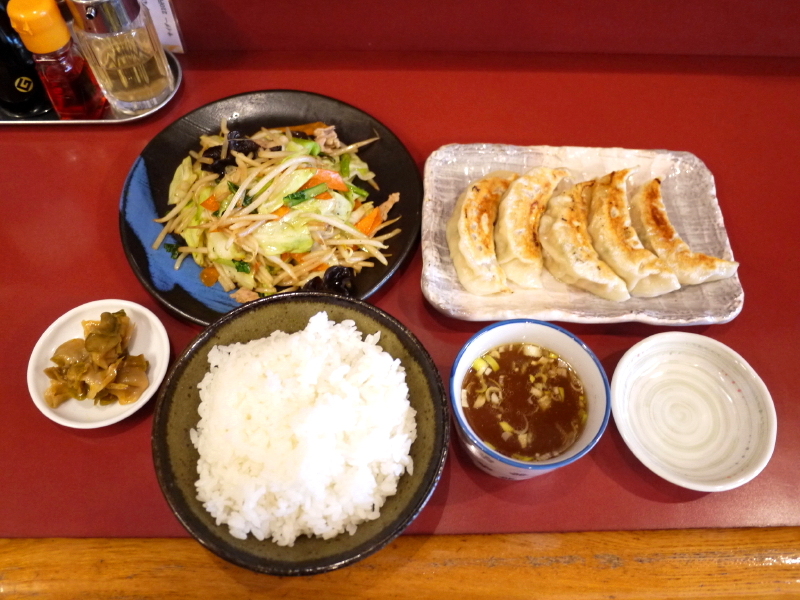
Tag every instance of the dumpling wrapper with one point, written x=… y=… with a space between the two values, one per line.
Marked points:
x=470 y=235
x=652 y=224
x=568 y=252
x=616 y=241
x=516 y=233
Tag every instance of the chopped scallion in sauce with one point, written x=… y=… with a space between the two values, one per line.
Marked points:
x=524 y=401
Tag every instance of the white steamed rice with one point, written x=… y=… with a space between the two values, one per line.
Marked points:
x=304 y=433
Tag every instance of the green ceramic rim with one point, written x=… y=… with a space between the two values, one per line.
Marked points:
x=175 y=459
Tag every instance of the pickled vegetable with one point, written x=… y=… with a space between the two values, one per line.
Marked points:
x=98 y=367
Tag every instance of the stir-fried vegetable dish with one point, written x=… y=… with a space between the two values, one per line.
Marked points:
x=284 y=209
x=98 y=366
x=524 y=401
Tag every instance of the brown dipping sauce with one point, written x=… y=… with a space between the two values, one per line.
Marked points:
x=524 y=401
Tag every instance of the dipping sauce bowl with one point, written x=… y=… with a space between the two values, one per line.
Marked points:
x=570 y=349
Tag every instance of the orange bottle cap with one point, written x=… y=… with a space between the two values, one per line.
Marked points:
x=39 y=24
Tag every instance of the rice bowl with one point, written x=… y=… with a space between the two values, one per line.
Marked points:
x=302 y=433
x=176 y=414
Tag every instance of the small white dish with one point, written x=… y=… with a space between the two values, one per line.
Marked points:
x=693 y=411
x=568 y=347
x=149 y=338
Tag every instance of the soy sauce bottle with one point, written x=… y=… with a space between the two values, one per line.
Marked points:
x=22 y=95
x=67 y=77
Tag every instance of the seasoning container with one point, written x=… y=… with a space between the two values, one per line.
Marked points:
x=66 y=76
x=21 y=92
x=120 y=42
x=65 y=13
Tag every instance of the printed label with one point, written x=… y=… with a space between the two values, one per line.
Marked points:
x=24 y=84
x=166 y=24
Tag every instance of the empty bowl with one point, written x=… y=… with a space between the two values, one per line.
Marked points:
x=566 y=346
x=693 y=411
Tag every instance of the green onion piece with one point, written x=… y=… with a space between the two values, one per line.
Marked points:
x=310 y=146
x=521 y=457
x=303 y=195
x=172 y=249
x=479 y=365
x=241 y=266
x=357 y=190
x=344 y=166
x=492 y=362
x=292 y=202
x=222 y=206
x=506 y=427
x=235 y=188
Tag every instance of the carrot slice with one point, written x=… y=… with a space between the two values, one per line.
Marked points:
x=210 y=203
x=281 y=210
x=308 y=128
x=369 y=222
x=330 y=178
x=209 y=276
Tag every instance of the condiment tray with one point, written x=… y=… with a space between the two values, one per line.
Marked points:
x=50 y=117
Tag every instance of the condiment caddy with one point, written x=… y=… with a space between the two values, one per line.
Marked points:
x=50 y=118
x=104 y=65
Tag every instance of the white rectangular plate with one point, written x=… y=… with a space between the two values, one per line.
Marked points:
x=689 y=196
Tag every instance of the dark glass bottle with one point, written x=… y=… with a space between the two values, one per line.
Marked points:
x=67 y=78
x=21 y=92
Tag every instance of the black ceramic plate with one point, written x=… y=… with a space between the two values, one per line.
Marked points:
x=175 y=458
x=144 y=196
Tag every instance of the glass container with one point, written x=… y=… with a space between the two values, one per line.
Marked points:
x=121 y=44
x=66 y=76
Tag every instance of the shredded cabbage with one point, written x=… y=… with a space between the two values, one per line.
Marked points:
x=271 y=212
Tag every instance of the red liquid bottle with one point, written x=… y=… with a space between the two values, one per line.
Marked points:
x=67 y=78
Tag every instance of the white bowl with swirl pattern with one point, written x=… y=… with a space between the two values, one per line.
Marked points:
x=693 y=411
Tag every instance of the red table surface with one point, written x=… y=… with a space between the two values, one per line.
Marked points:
x=61 y=188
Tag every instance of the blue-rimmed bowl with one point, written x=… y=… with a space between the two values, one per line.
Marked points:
x=568 y=347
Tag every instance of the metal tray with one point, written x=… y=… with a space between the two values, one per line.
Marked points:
x=50 y=117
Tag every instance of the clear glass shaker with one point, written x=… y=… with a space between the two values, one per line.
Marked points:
x=118 y=39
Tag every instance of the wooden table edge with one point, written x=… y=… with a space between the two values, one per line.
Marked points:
x=695 y=563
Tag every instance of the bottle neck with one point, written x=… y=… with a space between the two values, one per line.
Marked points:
x=58 y=55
